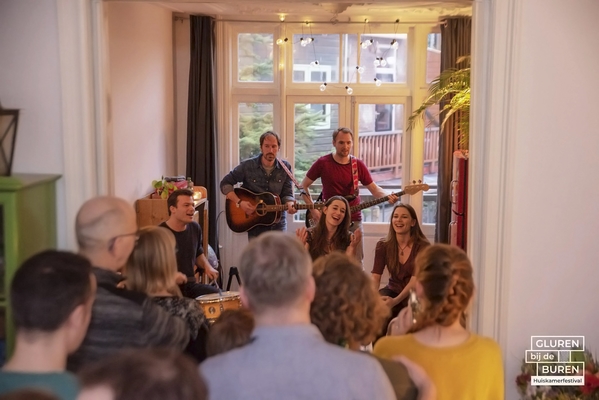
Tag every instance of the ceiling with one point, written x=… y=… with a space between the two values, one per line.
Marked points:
x=332 y=10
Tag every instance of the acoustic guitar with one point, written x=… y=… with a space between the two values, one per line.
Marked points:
x=410 y=189
x=268 y=210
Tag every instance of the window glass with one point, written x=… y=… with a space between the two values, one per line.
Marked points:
x=380 y=136
x=431 y=164
x=316 y=60
x=254 y=120
x=433 y=56
x=385 y=57
x=255 y=57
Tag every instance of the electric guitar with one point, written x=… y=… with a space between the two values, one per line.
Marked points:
x=410 y=189
x=268 y=210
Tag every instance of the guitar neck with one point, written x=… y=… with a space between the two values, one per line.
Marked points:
x=374 y=202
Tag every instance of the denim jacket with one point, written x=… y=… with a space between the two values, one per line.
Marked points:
x=253 y=177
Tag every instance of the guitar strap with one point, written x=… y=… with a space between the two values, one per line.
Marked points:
x=295 y=182
x=354 y=170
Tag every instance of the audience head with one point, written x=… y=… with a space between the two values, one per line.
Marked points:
x=146 y=374
x=106 y=230
x=178 y=203
x=276 y=272
x=53 y=290
x=444 y=285
x=270 y=133
x=152 y=266
x=346 y=308
x=231 y=330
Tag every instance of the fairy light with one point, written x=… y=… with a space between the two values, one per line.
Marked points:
x=349 y=90
x=314 y=63
x=282 y=41
x=377 y=82
x=323 y=87
x=360 y=69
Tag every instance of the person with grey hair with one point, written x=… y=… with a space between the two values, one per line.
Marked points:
x=106 y=230
x=287 y=357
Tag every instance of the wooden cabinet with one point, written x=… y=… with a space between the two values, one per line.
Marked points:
x=28 y=226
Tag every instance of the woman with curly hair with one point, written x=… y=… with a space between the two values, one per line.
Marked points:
x=152 y=269
x=461 y=364
x=397 y=253
x=332 y=232
x=349 y=312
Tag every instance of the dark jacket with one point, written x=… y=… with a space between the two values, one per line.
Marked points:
x=125 y=319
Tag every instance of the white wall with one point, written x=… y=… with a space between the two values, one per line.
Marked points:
x=182 y=56
x=30 y=81
x=551 y=221
x=140 y=43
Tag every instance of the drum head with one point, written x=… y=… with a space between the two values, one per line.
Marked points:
x=216 y=296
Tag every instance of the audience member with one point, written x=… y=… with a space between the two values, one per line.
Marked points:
x=349 y=312
x=397 y=252
x=287 y=357
x=331 y=233
x=106 y=231
x=152 y=269
x=231 y=330
x=51 y=297
x=147 y=374
x=189 y=237
x=461 y=364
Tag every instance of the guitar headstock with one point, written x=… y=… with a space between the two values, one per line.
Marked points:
x=415 y=188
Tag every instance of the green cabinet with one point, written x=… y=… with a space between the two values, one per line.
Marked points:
x=27 y=226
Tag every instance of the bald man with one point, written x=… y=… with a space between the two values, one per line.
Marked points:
x=106 y=231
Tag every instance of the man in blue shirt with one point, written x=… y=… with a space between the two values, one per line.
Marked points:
x=259 y=174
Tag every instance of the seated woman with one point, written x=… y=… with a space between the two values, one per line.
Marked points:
x=332 y=232
x=397 y=252
x=349 y=312
x=461 y=364
x=152 y=269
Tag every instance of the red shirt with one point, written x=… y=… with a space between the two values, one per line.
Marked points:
x=338 y=179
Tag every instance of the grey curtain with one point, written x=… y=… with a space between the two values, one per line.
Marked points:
x=455 y=43
x=201 y=128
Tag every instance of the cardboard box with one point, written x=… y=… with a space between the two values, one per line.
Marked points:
x=150 y=211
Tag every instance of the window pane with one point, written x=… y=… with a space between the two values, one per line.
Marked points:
x=255 y=59
x=431 y=164
x=325 y=50
x=384 y=59
x=433 y=56
x=380 y=135
x=254 y=120
x=350 y=58
x=313 y=132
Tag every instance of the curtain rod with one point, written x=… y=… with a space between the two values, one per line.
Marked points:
x=332 y=22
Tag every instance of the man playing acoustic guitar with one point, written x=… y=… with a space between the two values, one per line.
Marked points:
x=262 y=173
x=340 y=173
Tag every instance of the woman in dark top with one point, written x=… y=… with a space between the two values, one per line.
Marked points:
x=332 y=231
x=152 y=269
x=397 y=252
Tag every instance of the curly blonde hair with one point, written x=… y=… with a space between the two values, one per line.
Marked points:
x=445 y=273
x=346 y=307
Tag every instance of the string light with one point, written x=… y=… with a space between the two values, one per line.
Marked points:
x=349 y=90
x=394 y=44
x=360 y=69
x=282 y=41
x=323 y=87
x=314 y=63
x=377 y=82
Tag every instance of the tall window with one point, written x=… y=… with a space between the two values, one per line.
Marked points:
x=369 y=88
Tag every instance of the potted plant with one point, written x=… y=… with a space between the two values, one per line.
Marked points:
x=451 y=87
x=167 y=185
